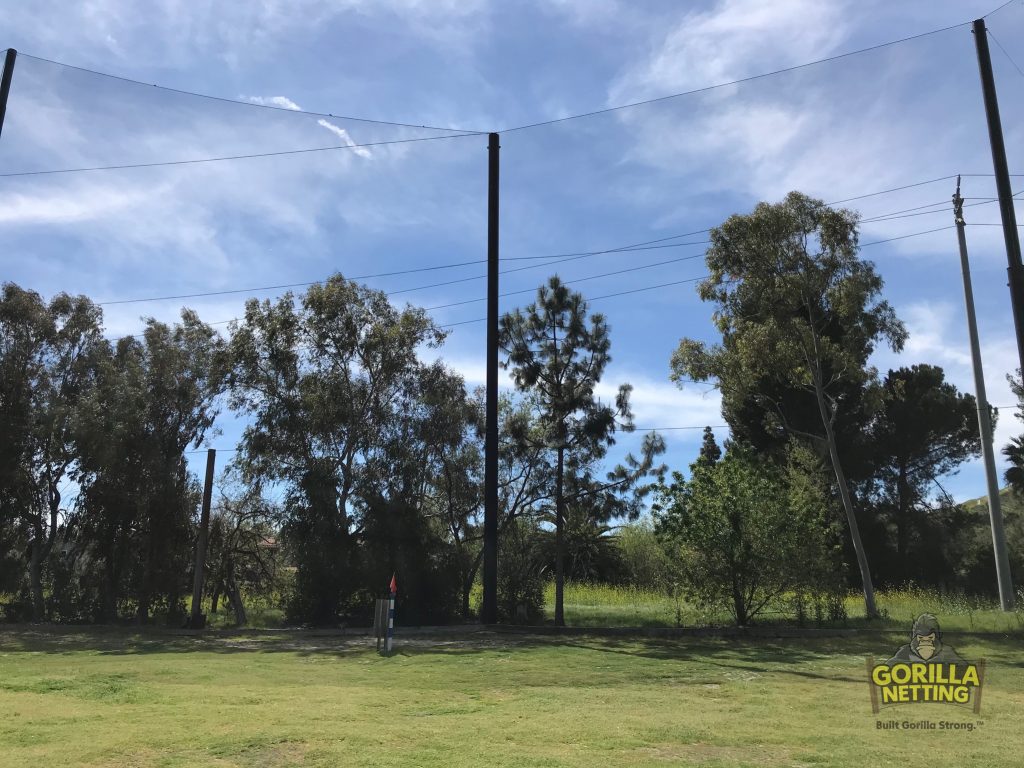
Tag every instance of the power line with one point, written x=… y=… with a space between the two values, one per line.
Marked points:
x=648 y=288
x=997 y=10
x=1005 y=52
x=738 y=81
x=898 y=189
x=945 y=209
x=904 y=237
x=286 y=285
x=239 y=102
x=596 y=298
x=473 y=301
x=570 y=282
x=594 y=277
x=636 y=247
x=236 y=157
x=618 y=433
x=553 y=258
x=679 y=282
x=666 y=429
x=519 y=269
x=905 y=212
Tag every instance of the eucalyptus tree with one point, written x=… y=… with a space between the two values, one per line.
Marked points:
x=798 y=310
x=155 y=396
x=329 y=381
x=45 y=372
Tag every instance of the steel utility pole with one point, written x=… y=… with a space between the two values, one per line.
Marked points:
x=5 y=83
x=995 y=513
x=197 y=620
x=1002 y=174
x=489 y=608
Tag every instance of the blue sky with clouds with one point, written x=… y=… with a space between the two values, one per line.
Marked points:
x=891 y=117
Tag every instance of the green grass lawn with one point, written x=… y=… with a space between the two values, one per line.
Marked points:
x=106 y=698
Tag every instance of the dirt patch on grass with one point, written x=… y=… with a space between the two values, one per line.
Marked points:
x=700 y=752
x=287 y=753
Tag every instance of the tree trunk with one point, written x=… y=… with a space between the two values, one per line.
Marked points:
x=739 y=605
x=35 y=571
x=43 y=535
x=902 y=522
x=144 y=596
x=467 y=585
x=844 y=492
x=559 y=545
x=215 y=598
x=235 y=596
x=108 y=606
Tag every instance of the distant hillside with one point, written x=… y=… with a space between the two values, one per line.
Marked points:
x=1009 y=502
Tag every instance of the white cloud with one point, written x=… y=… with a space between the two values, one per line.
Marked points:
x=662 y=404
x=473 y=372
x=174 y=32
x=655 y=403
x=938 y=336
x=735 y=39
x=932 y=337
x=586 y=13
x=276 y=101
x=66 y=206
x=342 y=134
x=837 y=130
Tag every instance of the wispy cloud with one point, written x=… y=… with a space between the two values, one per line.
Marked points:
x=732 y=40
x=276 y=101
x=938 y=336
x=342 y=134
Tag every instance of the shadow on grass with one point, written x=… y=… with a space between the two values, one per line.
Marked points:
x=760 y=655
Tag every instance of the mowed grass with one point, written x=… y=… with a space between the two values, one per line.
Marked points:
x=103 y=698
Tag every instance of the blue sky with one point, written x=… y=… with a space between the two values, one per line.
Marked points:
x=887 y=118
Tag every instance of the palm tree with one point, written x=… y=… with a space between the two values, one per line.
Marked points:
x=1015 y=474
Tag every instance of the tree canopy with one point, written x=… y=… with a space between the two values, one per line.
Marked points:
x=798 y=311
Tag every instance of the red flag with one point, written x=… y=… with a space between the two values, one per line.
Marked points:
x=393 y=586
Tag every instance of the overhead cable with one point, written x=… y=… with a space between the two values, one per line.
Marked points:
x=737 y=81
x=236 y=157
x=239 y=102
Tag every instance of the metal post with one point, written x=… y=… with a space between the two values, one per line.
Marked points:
x=1003 y=577
x=198 y=620
x=388 y=639
x=1004 y=191
x=489 y=608
x=5 y=83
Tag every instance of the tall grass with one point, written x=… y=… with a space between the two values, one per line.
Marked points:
x=602 y=605
x=954 y=611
